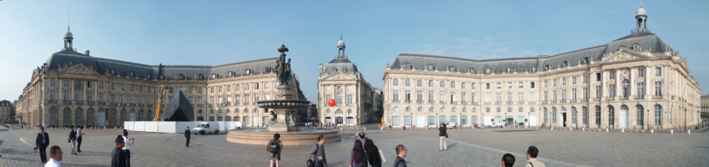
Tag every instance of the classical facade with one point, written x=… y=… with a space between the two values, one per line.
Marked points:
x=341 y=82
x=7 y=112
x=74 y=88
x=634 y=82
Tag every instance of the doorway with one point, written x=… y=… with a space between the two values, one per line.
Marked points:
x=563 y=119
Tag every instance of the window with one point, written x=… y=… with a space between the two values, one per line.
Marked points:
x=487 y=85
x=395 y=96
x=407 y=82
x=598 y=76
x=658 y=88
x=598 y=116
x=348 y=100
x=658 y=71
x=430 y=97
x=612 y=74
x=430 y=83
x=407 y=96
x=626 y=88
x=441 y=84
x=419 y=97
x=452 y=84
x=611 y=90
x=658 y=116
x=531 y=84
x=418 y=83
x=641 y=89
x=396 y=82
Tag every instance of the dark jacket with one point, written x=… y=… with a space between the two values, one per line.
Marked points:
x=443 y=131
x=42 y=140
x=375 y=160
x=188 y=133
x=399 y=162
x=359 y=156
x=72 y=135
x=120 y=158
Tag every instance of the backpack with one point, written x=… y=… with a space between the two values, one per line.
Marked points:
x=372 y=152
x=274 y=147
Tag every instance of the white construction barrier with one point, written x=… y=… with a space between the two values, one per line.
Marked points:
x=177 y=127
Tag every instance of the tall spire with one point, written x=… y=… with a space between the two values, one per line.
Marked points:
x=68 y=39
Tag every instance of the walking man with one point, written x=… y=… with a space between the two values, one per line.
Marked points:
x=532 y=153
x=400 y=156
x=41 y=143
x=72 y=140
x=79 y=135
x=187 y=137
x=55 y=154
x=443 y=136
x=318 y=155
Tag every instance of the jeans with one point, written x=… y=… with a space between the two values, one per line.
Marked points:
x=442 y=145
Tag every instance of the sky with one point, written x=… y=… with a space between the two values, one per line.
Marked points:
x=201 y=32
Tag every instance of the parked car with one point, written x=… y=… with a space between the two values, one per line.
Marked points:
x=204 y=128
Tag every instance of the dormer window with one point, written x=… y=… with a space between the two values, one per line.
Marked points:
x=248 y=71
x=231 y=73
x=488 y=70
x=471 y=70
x=411 y=67
x=451 y=69
x=509 y=70
x=636 y=48
x=566 y=63
x=201 y=76
x=182 y=77
x=214 y=76
x=430 y=67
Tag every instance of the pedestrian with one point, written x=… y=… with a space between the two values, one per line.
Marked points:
x=41 y=144
x=374 y=155
x=442 y=136
x=508 y=160
x=55 y=157
x=274 y=147
x=79 y=138
x=318 y=157
x=401 y=152
x=72 y=140
x=358 y=157
x=187 y=136
x=127 y=141
x=532 y=153
x=119 y=156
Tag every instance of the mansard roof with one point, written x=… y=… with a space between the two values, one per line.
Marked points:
x=643 y=41
x=68 y=57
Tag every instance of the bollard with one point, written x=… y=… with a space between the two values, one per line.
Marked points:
x=672 y=131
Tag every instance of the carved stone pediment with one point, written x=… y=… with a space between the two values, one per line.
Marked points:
x=622 y=55
x=78 y=69
x=339 y=77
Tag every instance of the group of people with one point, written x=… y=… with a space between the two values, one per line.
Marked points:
x=120 y=155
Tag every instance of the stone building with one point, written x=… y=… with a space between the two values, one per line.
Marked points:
x=341 y=81
x=74 y=88
x=7 y=112
x=633 y=82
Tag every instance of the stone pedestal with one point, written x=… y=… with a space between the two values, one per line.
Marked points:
x=281 y=124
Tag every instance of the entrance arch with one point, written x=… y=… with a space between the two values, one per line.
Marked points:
x=611 y=117
x=623 y=117
x=640 y=116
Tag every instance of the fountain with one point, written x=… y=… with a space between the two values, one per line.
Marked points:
x=281 y=109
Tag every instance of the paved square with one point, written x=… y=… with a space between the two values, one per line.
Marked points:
x=467 y=147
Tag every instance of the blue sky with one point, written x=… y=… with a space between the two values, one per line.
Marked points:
x=217 y=32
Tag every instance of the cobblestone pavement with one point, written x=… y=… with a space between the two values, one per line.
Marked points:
x=467 y=147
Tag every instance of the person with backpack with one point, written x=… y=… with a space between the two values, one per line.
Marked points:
x=358 y=157
x=274 y=147
x=318 y=158
x=374 y=156
x=443 y=136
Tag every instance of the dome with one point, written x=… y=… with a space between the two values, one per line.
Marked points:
x=340 y=44
x=641 y=12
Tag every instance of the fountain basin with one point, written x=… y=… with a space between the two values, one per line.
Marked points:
x=304 y=136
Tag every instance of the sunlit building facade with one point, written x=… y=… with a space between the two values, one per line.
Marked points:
x=74 y=88
x=634 y=82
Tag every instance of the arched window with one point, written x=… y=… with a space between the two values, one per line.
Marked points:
x=611 y=117
x=640 y=116
x=658 y=116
